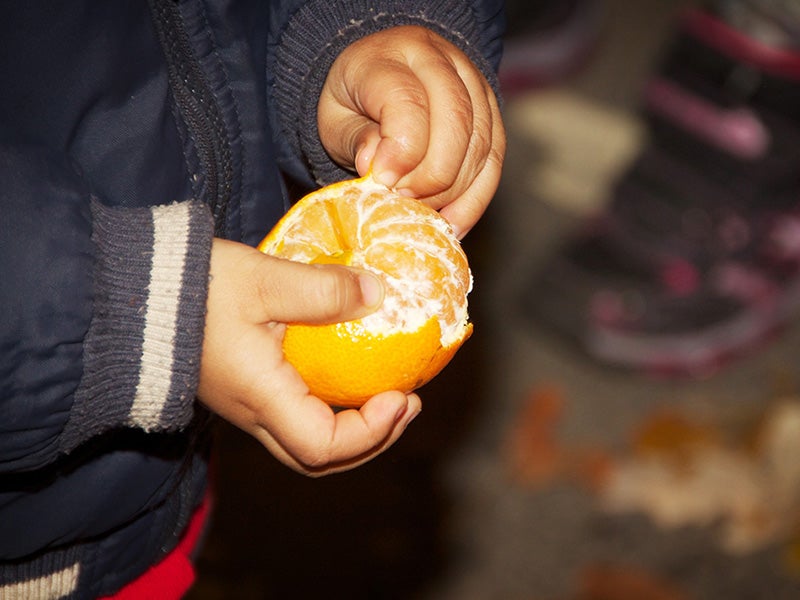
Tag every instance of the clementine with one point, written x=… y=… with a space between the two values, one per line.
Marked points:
x=423 y=319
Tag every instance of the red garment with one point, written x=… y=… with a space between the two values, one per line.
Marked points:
x=171 y=578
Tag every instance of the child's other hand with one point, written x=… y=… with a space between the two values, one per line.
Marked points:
x=412 y=105
x=245 y=379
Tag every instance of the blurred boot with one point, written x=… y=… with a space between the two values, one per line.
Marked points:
x=697 y=259
x=546 y=40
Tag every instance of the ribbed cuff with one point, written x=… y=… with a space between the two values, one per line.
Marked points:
x=142 y=350
x=318 y=33
x=55 y=575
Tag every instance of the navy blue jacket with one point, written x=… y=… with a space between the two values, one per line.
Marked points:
x=131 y=133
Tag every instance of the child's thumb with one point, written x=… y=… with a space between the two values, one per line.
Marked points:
x=292 y=292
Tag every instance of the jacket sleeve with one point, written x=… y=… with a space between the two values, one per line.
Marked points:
x=102 y=311
x=306 y=37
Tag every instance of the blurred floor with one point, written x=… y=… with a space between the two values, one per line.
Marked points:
x=455 y=510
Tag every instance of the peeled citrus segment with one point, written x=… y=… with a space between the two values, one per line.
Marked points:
x=423 y=319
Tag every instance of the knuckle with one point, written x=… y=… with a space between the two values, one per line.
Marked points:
x=266 y=288
x=500 y=146
x=437 y=178
x=482 y=135
x=497 y=152
x=314 y=458
x=462 y=113
x=333 y=293
x=411 y=96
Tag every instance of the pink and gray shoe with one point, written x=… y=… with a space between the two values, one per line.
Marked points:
x=546 y=41
x=697 y=260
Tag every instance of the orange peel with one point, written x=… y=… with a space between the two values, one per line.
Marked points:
x=423 y=319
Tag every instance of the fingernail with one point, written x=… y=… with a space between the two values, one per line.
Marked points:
x=371 y=290
x=410 y=416
x=407 y=192
x=387 y=178
x=361 y=161
x=401 y=412
x=406 y=414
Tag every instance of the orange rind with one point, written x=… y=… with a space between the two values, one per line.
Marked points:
x=423 y=319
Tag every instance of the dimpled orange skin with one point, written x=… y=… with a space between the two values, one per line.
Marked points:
x=422 y=264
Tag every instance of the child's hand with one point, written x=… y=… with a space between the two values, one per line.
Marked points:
x=245 y=379
x=412 y=105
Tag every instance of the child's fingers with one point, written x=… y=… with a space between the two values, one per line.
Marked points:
x=465 y=213
x=384 y=106
x=449 y=118
x=308 y=436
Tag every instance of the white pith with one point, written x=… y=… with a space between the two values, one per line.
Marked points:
x=408 y=303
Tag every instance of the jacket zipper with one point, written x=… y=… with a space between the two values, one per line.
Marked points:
x=198 y=107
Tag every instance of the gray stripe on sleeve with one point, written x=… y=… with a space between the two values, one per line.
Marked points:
x=142 y=351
